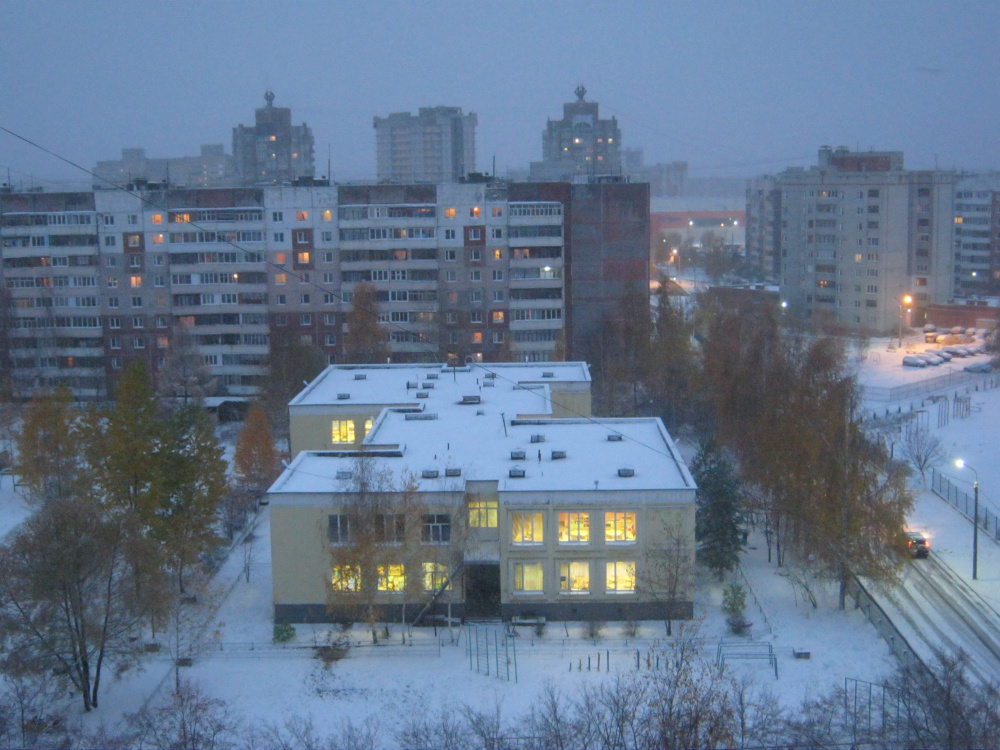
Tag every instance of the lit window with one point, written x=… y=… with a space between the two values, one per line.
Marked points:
x=279 y=258
x=498 y=316
x=280 y=278
x=343 y=431
x=620 y=576
x=498 y=254
x=157 y=239
x=574 y=527
x=619 y=526
x=449 y=213
x=574 y=576
x=477 y=337
x=497 y=212
x=391 y=577
x=474 y=212
x=136 y=281
x=303 y=258
x=526 y=528
x=368 y=422
x=327 y=215
x=157 y=218
x=435 y=576
x=301 y=215
x=528 y=576
x=135 y=240
x=162 y=342
x=346 y=578
x=273 y=138
x=483 y=514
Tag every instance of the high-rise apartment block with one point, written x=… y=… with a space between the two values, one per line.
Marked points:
x=273 y=151
x=855 y=234
x=581 y=143
x=436 y=145
x=466 y=272
x=977 y=236
x=213 y=167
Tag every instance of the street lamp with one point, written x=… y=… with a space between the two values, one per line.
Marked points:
x=676 y=257
x=906 y=300
x=975 y=523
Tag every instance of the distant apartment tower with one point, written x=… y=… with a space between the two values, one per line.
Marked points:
x=855 y=234
x=273 y=151
x=213 y=167
x=438 y=145
x=763 y=225
x=581 y=143
x=977 y=236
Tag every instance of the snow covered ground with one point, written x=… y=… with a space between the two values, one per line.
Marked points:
x=269 y=684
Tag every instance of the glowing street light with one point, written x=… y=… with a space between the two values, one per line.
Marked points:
x=906 y=300
x=975 y=512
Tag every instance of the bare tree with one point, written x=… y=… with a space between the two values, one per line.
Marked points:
x=922 y=448
x=665 y=575
x=190 y=720
x=184 y=377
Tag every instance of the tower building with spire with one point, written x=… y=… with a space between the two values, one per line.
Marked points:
x=273 y=151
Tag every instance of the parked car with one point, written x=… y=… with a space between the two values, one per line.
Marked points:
x=913 y=362
x=983 y=368
x=917 y=544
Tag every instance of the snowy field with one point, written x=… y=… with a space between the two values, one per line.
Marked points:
x=268 y=684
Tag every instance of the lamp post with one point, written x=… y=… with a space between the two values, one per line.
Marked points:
x=675 y=254
x=906 y=300
x=975 y=512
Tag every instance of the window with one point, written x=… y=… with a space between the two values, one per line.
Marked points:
x=435 y=576
x=135 y=240
x=475 y=255
x=343 y=431
x=436 y=529
x=475 y=275
x=279 y=236
x=483 y=514
x=498 y=316
x=449 y=255
x=390 y=528
x=133 y=218
x=528 y=576
x=112 y=283
x=391 y=577
x=277 y=216
x=326 y=215
x=114 y=322
x=157 y=239
x=619 y=526
x=302 y=216
x=280 y=299
x=339 y=529
x=300 y=237
x=497 y=212
x=280 y=278
x=138 y=342
x=449 y=234
x=475 y=233
x=110 y=240
x=497 y=233
x=574 y=576
x=346 y=578
x=112 y=262
x=157 y=218
x=620 y=576
x=137 y=322
x=304 y=299
x=474 y=212
x=498 y=296
x=331 y=339
x=449 y=213
x=305 y=319
x=498 y=254
x=137 y=302
x=574 y=527
x=497 y=275
x=303 y=258
x=136 y=281
x=450 y=276
x=526 y=528
x=115 y=342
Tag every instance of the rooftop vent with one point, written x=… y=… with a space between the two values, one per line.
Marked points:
x=548 y=374
x=423 y=416
x=345 y=474
x=432 y=376
x=343 y=396
x=422 y=394
x=516 y=473
x=412 y=384
x=360 y=376
x=538 y=438
x=453 y=472
x=427 y=385
x=429 y=473
x=517 y=455
x=480 y=412
x=489 y=384
x=490 y=376
x=556 y=455
x=626 y=472
x=471 y=399
x=614 y=437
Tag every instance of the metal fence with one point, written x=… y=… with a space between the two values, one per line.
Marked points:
x=965 y=503
x=952 y=379
x=491 y=651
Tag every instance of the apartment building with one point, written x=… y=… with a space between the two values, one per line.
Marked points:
x=483 y=490
x=463 y=272
x=272 y=150
x=212 y=167
x=977 y=236
x=580 y=144
x=438 y=144
x=858 y=233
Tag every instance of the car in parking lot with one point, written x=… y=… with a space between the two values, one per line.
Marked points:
x=917 y=544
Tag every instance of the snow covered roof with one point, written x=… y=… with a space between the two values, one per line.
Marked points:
x=443 y=451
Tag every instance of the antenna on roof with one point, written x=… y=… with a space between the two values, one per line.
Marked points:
x=502 y=419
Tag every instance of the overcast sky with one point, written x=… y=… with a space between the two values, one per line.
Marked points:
x=733 y=88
